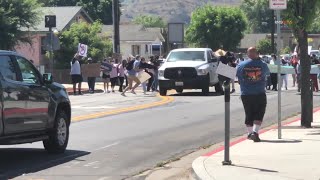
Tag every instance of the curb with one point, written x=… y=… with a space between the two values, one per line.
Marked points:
x=199 y=171
x=164 y=100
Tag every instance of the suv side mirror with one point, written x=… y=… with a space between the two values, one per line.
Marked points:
x=213 y=60
x=47 y=78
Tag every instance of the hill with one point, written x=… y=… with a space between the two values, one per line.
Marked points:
x=169 y=10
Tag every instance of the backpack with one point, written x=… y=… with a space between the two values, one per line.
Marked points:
x=129 y=66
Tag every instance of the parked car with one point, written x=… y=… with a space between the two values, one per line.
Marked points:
x=316 y=52
x=189 y=68
x=33 y=107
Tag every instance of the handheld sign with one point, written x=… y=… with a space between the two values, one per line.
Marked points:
x=82 y=50
x=227 y=71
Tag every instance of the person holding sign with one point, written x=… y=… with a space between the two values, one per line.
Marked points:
x=76 y=76
x=252 y=75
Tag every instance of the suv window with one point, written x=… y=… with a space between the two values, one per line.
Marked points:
x=7 y=68
x=28 y=72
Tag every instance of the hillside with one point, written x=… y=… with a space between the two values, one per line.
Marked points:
x=169 y=10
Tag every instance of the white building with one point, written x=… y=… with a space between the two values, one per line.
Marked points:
x=138 y=40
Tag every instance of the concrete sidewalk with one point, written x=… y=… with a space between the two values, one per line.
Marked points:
x=294 y=157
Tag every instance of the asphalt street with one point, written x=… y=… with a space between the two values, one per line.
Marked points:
x=119 y=146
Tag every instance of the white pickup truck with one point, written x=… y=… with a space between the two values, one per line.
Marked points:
x=189 y=68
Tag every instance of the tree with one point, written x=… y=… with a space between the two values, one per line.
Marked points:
x=260 y=15
x=97 y=9
x=99 y=46
x=315 y=26
x=217 y=27
x=286 y=50
x=302 y=13
x=149 y=21
x=264 y=46
x=16 y=15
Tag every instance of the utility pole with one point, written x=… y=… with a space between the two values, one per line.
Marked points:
x=273 y=26
x=116 y=28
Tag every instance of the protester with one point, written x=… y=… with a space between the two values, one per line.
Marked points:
x=121 y=74
x=221 y=54
x=151 y=72
x=76 y=75
x=113 y=74
x=156 y=62
x=274 y=76
x=91 y=80
x=252 y=78
x=232 y=62
x=106 y=68
x=132 y=71
x=143 y=67
x=294 y=62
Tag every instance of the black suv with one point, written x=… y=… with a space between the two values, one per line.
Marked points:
x=33 y=108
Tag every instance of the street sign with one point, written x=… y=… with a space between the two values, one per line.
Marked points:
x=278 y=4
x=82 y=50
x=50 y=21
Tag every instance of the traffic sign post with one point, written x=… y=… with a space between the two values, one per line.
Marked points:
x=278 y=5
x=50 y=22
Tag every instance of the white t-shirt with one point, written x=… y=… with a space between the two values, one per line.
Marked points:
x=75 y=68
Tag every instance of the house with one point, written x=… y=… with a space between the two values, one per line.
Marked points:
x=138 y=40
x=250 y=40
x=65 y=16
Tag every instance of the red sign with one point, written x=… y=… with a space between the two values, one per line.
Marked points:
x=278 y=4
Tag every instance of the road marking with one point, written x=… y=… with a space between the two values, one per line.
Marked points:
x=164 y=100
x=93 y=107
x=91 y=164
x=107 y=146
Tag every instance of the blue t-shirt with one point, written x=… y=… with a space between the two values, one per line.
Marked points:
x=252 y=76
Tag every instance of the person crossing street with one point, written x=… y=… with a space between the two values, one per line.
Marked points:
x=252 y=75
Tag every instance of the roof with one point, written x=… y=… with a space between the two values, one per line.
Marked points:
x=64 y=16
x=251 y=40
x=136 y=33
x=191 y=49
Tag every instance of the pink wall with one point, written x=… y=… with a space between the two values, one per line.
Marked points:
x=31 y=52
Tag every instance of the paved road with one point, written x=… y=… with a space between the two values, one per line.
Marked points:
x=119 y=146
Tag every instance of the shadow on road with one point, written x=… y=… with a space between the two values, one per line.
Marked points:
x=281 y=141
x=260 y=169
x=15 y=162
x=197 y=94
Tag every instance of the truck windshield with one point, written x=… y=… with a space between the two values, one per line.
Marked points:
x=186 y=56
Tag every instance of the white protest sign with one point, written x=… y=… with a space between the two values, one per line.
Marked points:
x=227 y=71
x=143 y=76
x=82 y=50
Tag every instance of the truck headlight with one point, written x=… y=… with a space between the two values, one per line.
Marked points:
x=161 y=73
x=202 y=72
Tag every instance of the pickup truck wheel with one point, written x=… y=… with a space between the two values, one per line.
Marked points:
x=59 y=137
x=179 y=90
x=163 y=92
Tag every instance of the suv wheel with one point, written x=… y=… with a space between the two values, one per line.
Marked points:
x=59 y=136
x=163 y=92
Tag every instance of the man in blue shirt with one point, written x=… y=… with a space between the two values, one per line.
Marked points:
x=252 y=75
